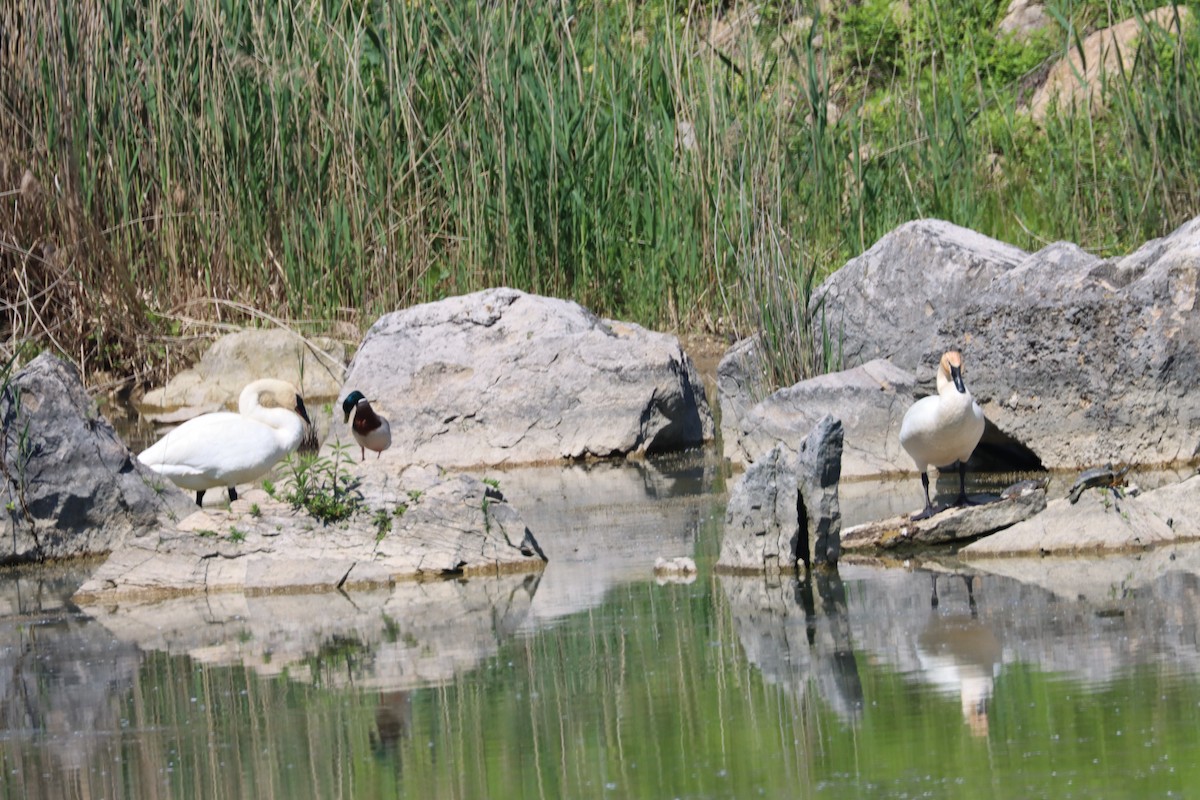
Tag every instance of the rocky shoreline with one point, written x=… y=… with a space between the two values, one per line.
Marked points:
x=1076 y=360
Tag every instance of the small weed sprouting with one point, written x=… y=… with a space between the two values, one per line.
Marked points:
x=255 y=511
x=206 y=533
x=383 y=524
x=322 y=486
x=414 y=495
x=269 y=488
x=492 y=482
x=236 y=535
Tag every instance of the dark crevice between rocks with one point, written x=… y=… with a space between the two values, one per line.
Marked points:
x=803 y=556
x=999 y=452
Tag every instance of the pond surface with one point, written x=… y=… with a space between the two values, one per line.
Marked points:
x=1024 y=679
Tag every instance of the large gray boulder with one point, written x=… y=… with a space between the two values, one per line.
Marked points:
x=315 y=366
x=71 y=486
x=893 y=300
x=870 y=401
x=412 y=525
x=504 y=377
x=1080 y=360
x=784 y=513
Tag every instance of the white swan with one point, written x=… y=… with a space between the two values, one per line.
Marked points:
x=225 y=449
x=370 y=430
x=944 y=428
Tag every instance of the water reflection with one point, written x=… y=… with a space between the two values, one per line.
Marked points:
x=603 y=525
x=998 y=678
x=60 y=677
x=409 y=636
x=960 y=654
x=955 y=630
x=800 y=644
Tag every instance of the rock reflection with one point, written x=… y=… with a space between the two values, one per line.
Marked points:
x=413 y=635
x=59 y=676
x=604 y=524
x=795 y=642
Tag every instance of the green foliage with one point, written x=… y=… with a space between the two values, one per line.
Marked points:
x=236 y=535
x=342 y=159
x=383 y=524
x=322 y=485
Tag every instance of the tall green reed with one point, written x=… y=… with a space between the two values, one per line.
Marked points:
x=340 y=159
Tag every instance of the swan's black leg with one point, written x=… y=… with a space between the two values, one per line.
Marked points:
x=963 y=500
x=929 y=510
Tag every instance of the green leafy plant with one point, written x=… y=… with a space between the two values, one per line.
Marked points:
x=237 y=535
x=322 y=486
x=383 y=524
x=255 y=511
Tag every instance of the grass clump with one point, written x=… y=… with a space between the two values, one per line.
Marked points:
x=322 y=486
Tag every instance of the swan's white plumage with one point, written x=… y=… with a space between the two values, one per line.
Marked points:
x=943 y=428
x=940 y=430
x=224 y=449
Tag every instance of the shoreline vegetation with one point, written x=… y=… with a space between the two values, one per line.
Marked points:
x=167 y=170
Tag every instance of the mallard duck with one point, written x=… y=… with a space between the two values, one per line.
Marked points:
x=370 y=430
x=224 y=448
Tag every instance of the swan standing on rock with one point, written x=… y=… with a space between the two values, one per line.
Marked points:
x=225 y=449
x=943 y=428
x=370 y=430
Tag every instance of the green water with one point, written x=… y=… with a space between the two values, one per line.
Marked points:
x=594 y=680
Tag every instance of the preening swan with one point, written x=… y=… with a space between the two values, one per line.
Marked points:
x=370 y=430
x=943 y=428
x=225 y=449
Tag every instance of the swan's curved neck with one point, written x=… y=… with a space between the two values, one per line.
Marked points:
x=288 y=427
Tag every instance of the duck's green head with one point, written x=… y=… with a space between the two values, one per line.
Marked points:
x=350 y=402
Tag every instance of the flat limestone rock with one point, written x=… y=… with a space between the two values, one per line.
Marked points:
x=1102 y=522
x=952 y=525
x=414 y=525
